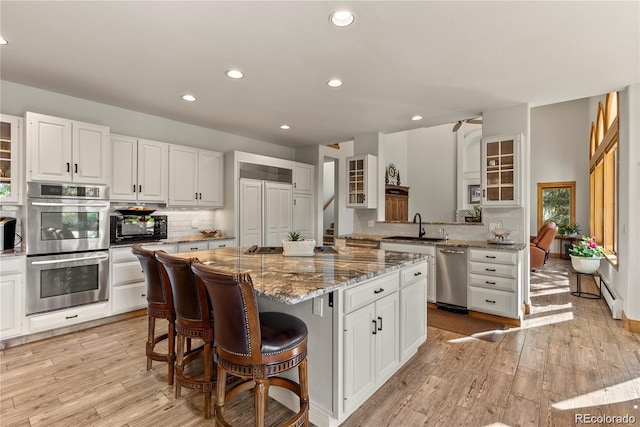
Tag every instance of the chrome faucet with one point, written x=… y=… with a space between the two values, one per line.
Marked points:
x=421 y=231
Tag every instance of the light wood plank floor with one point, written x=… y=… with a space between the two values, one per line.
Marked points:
x=569 y=357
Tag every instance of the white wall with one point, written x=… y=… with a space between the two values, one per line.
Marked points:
x=559 y=152
x=394 y=150
x=17 y=99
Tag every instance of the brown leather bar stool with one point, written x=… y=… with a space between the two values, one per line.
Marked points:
x=159 y=306
x=193 y=320
x=255 y=347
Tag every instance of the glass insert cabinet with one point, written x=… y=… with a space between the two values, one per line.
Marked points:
x=9 y=150
x=361 y=181
x=501 y=171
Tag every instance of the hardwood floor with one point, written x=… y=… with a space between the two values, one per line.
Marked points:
x=569 y=357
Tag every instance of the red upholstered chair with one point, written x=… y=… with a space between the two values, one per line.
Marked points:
x=194 y=320
x=255 y=347
x=159 y=306
x=540 y=245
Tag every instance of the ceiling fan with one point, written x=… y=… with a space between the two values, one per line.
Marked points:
x=475 y=121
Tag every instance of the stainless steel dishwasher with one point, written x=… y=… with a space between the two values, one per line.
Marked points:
x=451 y=278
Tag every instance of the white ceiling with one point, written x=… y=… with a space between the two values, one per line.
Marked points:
x=442 y=60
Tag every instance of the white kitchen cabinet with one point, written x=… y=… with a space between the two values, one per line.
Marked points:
x=278 y=209
x=128 y=287
x=501 y=170
x=303 y=178
x=67 y=317
x=195 y=177
x=10 y=155
x=222 y=243
x=63 y=150
x=12 y=272
x=139 y=170
x=362 y=178
x=303 y=215
x=494 y=282
x=251 y=212
x=413 y=309
x=371 y=338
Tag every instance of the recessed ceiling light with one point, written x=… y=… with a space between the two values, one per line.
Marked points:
x=335 y=82
x=341 y=18
x=3 y=41
x=235 y=74
x=285 y=127
x=189 y=98
x=416 y=118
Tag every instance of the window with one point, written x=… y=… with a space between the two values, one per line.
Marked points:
x=603 y=177
x=557 y=203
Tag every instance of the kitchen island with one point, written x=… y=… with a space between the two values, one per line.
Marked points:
x=365 y=310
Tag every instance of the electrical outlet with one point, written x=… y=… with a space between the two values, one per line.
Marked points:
x=318 y=305
x=370 y=223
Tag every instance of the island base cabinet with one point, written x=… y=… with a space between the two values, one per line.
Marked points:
x=371 y=340
x=413 y=315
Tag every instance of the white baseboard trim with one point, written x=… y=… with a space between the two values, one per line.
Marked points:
x=613 y=299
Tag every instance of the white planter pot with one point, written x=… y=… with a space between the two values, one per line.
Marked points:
x=585 y=265
x=298 y=248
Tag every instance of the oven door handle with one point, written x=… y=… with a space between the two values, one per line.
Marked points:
x=82 y=205
x=58 y=261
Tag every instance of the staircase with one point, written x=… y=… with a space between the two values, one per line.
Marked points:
x=327 y=239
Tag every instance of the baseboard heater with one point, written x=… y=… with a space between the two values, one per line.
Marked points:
x=612 y=298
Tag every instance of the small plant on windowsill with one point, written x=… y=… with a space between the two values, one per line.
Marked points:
x=569 y=229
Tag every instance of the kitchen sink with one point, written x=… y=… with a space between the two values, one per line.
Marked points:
x=414 y=239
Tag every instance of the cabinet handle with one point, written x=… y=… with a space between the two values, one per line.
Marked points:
x=378 y=291
x=200 y=196
x=139 y=188
x=489 y=283
x=68 y=167
x=134 y=188
x=490 y=269
x=490 y=256
x=484 y=193
x=75 y=167
x=418 y=273
x=194 y=249
x=375 y=327
x=143 y=295
x=490 y=301
x=196 y=196
x=380 y=326
x=71 y=317
x=294 y=202
x=222 y=246
x=295 y=184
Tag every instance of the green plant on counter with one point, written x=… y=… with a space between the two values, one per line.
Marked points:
x=294 y=236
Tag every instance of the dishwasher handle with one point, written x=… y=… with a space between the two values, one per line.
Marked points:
x=451 y=251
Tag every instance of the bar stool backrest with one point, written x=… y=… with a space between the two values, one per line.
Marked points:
x=158 y=287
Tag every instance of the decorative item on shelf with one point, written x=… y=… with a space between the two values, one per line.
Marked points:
x=474 y=194
x=586 y=255
x=295 y=246
x=210 y=233
x=566 y=229
x=392 y=175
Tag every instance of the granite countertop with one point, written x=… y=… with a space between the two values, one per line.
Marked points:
x=482 y=244
x=173 y=240
x=291 y=280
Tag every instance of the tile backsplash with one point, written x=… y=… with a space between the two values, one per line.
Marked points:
x=182 y=223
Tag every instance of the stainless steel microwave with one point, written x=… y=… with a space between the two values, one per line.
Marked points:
x=136 y=228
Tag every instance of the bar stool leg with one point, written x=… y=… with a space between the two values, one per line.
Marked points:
x=150 y=339
x=179 y=364
x=259 y=399
x=304 y=388
x=221 y=390
x=171 y=342
x=208 y=375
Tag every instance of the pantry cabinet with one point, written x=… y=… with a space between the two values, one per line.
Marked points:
x=139 y=169
x=501 y=170
x=63 y=150
x=195 y=177
x=10 y=154
x=303 y=178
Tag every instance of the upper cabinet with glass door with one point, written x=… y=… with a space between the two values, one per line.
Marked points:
x=361 y=181
x=501 y=171
x=9 y=154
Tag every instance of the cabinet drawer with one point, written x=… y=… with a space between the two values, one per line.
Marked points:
x=413 y=274
x=129 y=297
x=193 y=246
x=492 y=301
x=362 y=295
x=492 y=282
x=217 y=244
x=122 y=255
x=13 y=264
x=489 y=269
x=499 y=257
x=127 y=272
x=71 y=316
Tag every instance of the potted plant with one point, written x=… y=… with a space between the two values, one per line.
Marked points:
x=569 y=229
x=296 y=246
x=586 y=255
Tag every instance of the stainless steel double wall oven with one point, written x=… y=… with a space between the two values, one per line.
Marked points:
x=67 y=245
